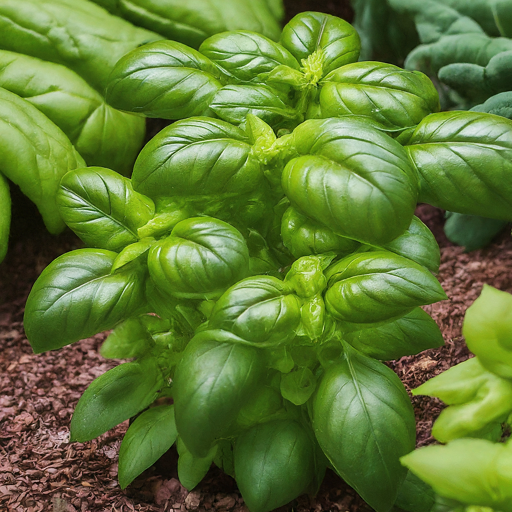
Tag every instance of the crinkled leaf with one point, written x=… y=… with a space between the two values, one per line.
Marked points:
x=102 y=208
x=76 y=297
x=146 y=440
x=364 y=421
x=114 y=397
x=499 y=104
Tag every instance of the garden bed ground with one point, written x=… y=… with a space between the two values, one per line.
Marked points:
x=41 y=471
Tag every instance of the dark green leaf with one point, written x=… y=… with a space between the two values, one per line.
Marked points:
x=415 y=495
x=191 y=470
x=297 y=386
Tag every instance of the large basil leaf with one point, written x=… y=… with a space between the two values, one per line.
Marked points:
x=5 y=216
x=415 y=495
x=35 y=154
x=102 y=208
x=75 y=33
x=487 y=328
x=464 y=160
x=164 y=79
x=364 y=422
x=258 y=309
x=411 y=334
x=102 y=135
x=274 y=464
x=197 y=157
x=212 y=382
x=499 y=104
x=352 y=178
x=146 y=440
x=335 y=39
x=472 y=471
x=200 y=259
x=114 y=397
x=378 y=286
x=76 y=296
x=394 y=97
x=247 y=56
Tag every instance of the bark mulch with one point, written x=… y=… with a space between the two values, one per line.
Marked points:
x=41 y=471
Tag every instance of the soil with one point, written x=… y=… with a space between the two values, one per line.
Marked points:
x=41 y=471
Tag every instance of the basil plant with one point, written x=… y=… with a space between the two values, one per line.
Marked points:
x=257 y=276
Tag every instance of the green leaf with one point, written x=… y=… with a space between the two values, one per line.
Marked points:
x=364 y=421
x=415 y=495
x=214 y=379
x=347 y=158
x=164 y=79
x=127 y=340
x=76 y=297
x=297 y=386
x=379 y=285
x=191 y=470
x=35 y=155
x=310 y=32
x=247 y=56
x=463 y=159
x=114 y=397
x=471 y=471
x=264 y=405
x=409 y=335
x=200 y=259
x=5 y=216
x=499 y=104
x=102 y=208
x=274 y=464
x=488 y=330
x=394 y=97
x=146 y=440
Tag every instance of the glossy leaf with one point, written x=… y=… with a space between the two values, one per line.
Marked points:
x=146 y=440
x=258 y=309
x=37 y=155
x=274 y=464
x=394 y=97
x=191 y=470
x=5 y=216
x=127 y=340
x=76 y=297
x=364 y=421
x=200 y=259
x=297 y=386
x=164 y=79
x=415 y=495
x=342 y=158
x=377 y=286
x=114 y=397
x=102 y=208
x=463 y=159
x=409 y=335
x=264 y=405
x=213 y=380
x=334 y=38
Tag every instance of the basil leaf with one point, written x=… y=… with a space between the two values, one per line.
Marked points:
x=394 y=97
x=378 y=286
x=199 y=260
x=415 y=495
x=499 y=104
x=463 y=159
x=213 y=380
x=274 y=464
x=346 y=158
x=36 y=156
x=146 y=440
x=333 y=37
x=247 y=56
x=411 y=334
x=102 y=208
x=164 y=79
x=114 y=397
x=191 y=470
x=127 y=340
x=197 y=157
x=5 y=216
x=364 y=421
x=297 y=386
x=76 y=297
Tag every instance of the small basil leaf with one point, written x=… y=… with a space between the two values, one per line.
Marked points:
x=199 y=260
x=164 y=79
x=297 y=386
x=364 y=421
x=102 y=208
x=415 y=495
x=146 y=440
x=311 y=32
x=191 y=470
x=212 y=382
x=247 y=56
x=499 y=104
x=378 y=286
x=5 y=216
x=76 y=297
x=411 y=334
x=274 y=464
x=463 y=159
x=127 y=340
x=265 y=404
